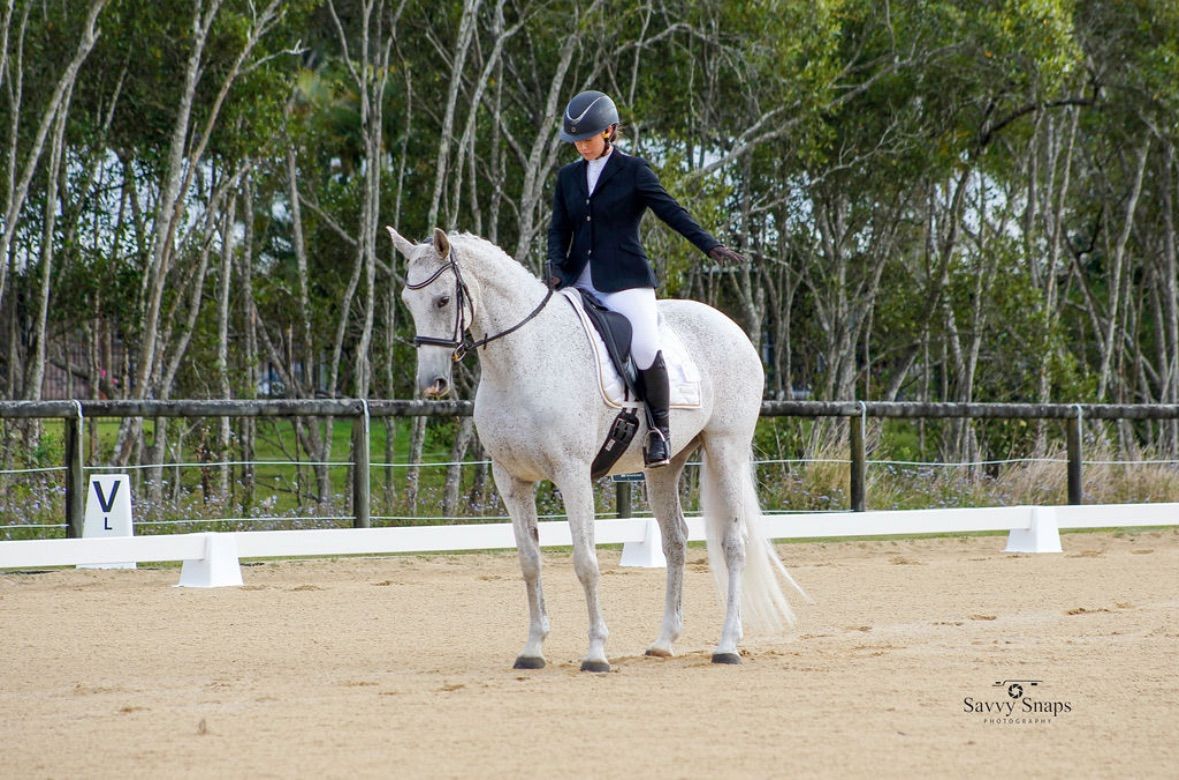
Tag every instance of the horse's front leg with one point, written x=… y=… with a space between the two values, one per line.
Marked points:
x=520 y=498
x=577 y=492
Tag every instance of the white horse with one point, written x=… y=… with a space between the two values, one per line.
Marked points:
x=540 y=415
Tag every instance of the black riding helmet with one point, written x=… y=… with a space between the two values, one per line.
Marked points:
x=588 y=114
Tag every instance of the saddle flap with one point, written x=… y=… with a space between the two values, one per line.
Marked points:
x=615 y=330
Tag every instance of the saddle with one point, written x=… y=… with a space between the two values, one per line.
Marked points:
x=610 y=342
x=615 y=330
x=609 y=334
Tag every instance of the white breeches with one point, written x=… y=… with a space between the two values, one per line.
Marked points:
x=638 y=306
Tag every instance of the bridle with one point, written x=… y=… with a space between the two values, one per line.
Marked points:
x=460 y=341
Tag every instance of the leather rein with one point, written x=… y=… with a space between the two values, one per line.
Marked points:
x=460 y=341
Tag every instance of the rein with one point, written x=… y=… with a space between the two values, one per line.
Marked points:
x=460 y=341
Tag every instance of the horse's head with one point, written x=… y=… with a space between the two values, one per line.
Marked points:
x=435 y=296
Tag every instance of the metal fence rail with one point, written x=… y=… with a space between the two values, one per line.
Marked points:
x=75 y=413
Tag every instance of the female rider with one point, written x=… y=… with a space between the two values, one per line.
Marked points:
x=594 y=244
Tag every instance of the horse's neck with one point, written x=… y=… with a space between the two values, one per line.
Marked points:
x=505 y=292
x=506 y=295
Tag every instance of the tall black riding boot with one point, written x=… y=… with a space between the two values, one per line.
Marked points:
x=656 y=390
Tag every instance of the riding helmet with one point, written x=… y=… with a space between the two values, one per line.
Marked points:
x=588 y=114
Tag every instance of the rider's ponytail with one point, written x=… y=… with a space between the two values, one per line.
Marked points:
x=615 y=131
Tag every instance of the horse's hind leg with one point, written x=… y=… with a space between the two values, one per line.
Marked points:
x=664 y=495
x=722 y=487
x=520 y=499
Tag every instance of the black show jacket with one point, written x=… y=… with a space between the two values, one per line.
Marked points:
x=604 y=227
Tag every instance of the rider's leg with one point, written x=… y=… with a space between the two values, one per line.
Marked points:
x=656 y=390
x=638 y=306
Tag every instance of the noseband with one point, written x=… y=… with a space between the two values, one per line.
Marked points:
x=460 y=342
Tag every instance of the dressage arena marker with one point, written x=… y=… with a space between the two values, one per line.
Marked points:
x=211 y=559
x=1041 y=535
x=108 y=514
x=218 y=568
x=648 y=552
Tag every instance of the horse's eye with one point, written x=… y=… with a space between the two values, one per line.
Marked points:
x=442 y=302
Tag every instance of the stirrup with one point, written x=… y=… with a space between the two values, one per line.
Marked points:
x=656 y=461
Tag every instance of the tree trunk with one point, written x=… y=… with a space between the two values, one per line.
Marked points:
x=417 y=442
x=454 y=472
x=33 y=387
x=228 y=227
x=1110 y=341
x=542 y=156
x=462 y=47
x=17 y=187
x=186 y=151
x=305 y=386
x=249 y=370
x=1056 y=199
x=1170 y=302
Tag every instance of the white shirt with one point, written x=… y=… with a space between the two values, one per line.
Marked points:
x=593 y=169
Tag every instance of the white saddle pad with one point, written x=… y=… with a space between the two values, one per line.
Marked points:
x=682 y=373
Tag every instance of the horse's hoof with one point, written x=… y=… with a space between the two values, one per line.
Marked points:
x=595 y=666
x=528 y=662
x=726 y=658
x=658 y=652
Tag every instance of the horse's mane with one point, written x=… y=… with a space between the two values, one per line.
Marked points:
x=477 y=252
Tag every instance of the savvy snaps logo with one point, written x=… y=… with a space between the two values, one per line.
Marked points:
x=1016 y=702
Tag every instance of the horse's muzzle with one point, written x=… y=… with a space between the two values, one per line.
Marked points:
x=438 y=389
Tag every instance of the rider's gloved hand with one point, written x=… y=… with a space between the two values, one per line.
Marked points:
x=551 y=278
x=725 y=256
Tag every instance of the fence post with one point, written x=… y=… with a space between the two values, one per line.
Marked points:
x=75 y=487
x=1073 y=432
x=360 y=468
x=622 y=494
x=859 y=465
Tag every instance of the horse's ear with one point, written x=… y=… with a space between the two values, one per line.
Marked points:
x=441 y=244
x=403 y=245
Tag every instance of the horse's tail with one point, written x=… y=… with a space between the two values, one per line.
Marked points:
x=763 y=604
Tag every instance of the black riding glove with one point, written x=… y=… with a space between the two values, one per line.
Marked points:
x=725 y=256
x=551 y=278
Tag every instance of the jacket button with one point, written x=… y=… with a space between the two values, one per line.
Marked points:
x=587 y=219
x=587 y=201
x=589 y=252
